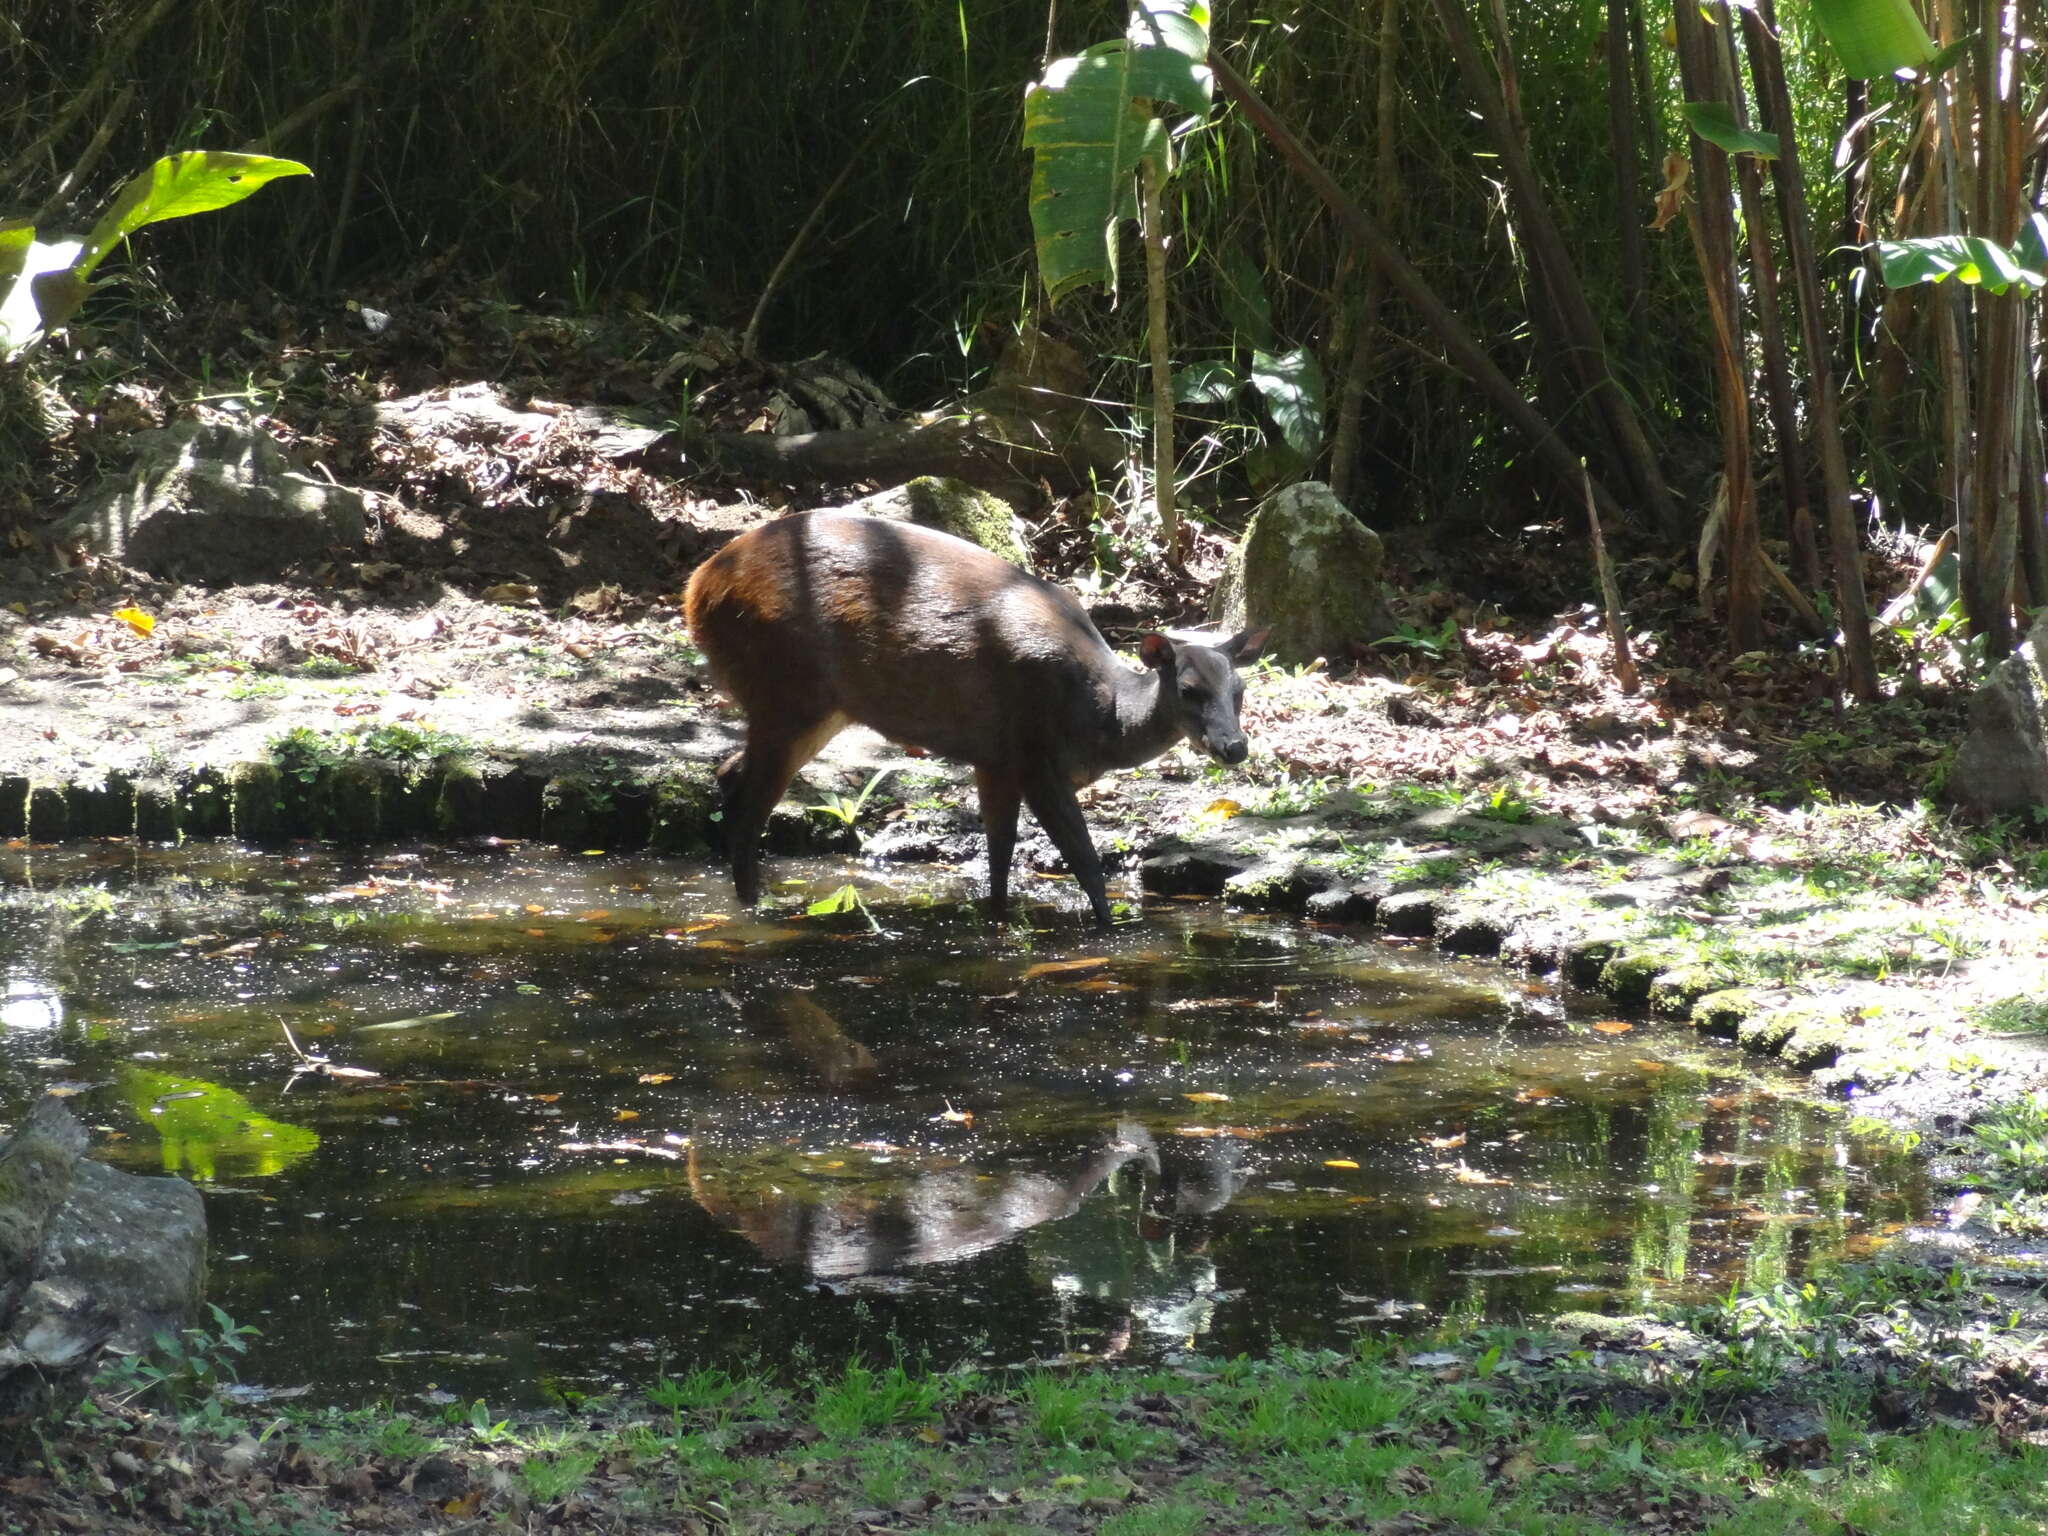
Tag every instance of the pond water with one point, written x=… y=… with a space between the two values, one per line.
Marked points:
x=588 y=1125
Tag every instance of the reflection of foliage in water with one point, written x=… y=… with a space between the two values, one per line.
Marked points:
x=214 y=1130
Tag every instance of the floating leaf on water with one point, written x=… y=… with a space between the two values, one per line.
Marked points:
x=1614 y=1026
x=952 y=1116
x=1464 y=1173
x=1651 y=1066
x=1320 y=1066
x=594 y=915
x=1443 y=1143
x=1338 y=1162
x=657 y=1077
x=626 y=1114
x=1064 y=967
x=1103 y=984
x=1207 y=1098
x=1536 y=1096
x=412 y=1023
x=535 y=933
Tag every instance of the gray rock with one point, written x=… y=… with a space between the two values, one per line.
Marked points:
x=2002 y=764
x=1411 y=914
x=89 y=1257
x=1178 y=868
x=951 y=506
x=1346 y=904
x=1277 y=885
x=1310 y=570
x=216 y=502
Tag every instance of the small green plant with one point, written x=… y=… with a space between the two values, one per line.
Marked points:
x=552 y=1477
x=2015 y=1137
x=864 y=1399
x=844 y=809
x=185 y=1370
x=1430 y=642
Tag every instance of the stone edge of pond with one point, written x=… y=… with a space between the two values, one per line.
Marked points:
x=356 y=787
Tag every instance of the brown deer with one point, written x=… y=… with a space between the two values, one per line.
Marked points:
x=817 y=620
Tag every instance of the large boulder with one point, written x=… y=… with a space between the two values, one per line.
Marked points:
x=2002 y=764
x=216 y=502
x=90 y=1257
x=951 y=506
x=1310 y=571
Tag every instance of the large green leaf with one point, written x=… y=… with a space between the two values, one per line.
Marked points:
x=34 y=264
x=1291 y=385
x=1715 y=122
x=16 y=236
x=193 y=181
x=1874 y=38
x=1243 y=297
x=1206 y=383
x=1089 y=124
x=1180 y=25
x=1966 y=258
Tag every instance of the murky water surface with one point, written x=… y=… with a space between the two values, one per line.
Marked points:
x=586 y=1125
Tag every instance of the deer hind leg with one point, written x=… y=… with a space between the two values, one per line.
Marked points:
x=1052 y=801
x=999 y=797
x=751 y=784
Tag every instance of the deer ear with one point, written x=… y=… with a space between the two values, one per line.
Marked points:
x=1156 y=651
x=1245 y=645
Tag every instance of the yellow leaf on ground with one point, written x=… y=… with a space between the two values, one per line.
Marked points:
x=136 y=620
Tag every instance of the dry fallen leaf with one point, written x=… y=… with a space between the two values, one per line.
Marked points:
x=1064 y=967
x=1614 y=1026
x=1443 y=1143
x=1207 y=1098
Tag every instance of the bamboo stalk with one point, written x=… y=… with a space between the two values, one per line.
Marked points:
x=1151 y=192
x=83 y=96
x=1852 y=607
x=1560 y=275
x=1465 y=348
x=1777 y=371
x=1628 y=170
x=1710 y=218
x=1386 y=196
x=1610 y=595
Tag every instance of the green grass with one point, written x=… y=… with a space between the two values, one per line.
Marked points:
x=1553 y=1442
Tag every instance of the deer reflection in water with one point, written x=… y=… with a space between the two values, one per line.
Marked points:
x=913 y=1215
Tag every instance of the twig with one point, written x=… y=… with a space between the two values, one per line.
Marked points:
x=1610 y=593
x=750 y=339
x=117 y=55
x=82 y=166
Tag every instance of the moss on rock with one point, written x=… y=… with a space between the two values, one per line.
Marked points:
x=683 y=802
x=256 y=802
x=1722 y=1013
x=1628 y=976
x=1673 y=992
x=346 y=803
